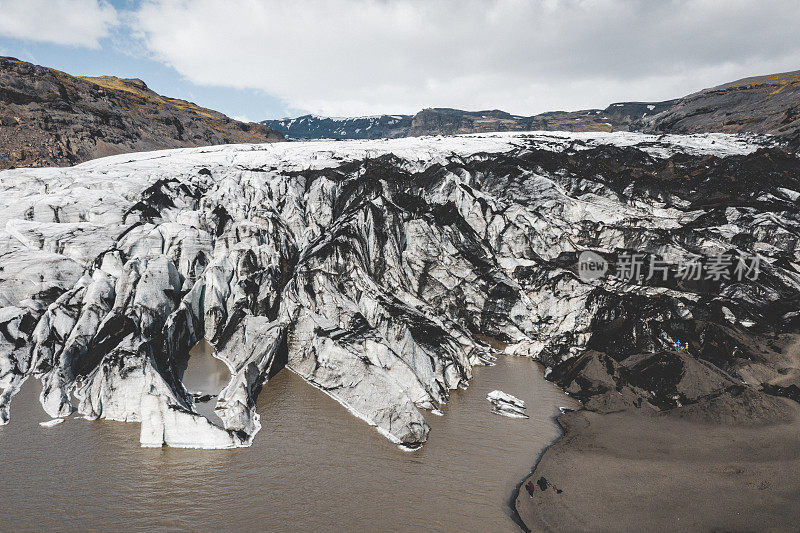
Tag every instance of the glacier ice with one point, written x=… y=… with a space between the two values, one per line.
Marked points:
x=379 y=271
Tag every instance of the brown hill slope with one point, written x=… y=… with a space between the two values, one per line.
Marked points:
x=762 y=104
x=48 y=117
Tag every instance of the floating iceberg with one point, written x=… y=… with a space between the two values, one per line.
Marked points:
x=506 y=404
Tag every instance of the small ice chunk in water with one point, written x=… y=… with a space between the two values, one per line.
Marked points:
x=51 y=423
x=506 y=404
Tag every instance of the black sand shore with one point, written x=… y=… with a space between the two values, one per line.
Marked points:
x=633 y=472
x=728 y=464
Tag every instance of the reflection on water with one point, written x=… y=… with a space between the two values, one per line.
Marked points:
x=313 y=466
x=205 y=375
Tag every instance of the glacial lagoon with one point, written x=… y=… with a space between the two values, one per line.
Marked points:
x=313 y=466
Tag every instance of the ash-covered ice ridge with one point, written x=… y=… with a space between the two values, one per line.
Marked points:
x=379 y=271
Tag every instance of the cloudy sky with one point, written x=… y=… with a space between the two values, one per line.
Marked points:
x=259 y=59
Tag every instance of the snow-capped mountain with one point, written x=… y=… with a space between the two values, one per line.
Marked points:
x=446 y=121
x=317 y=127
x=761 y=104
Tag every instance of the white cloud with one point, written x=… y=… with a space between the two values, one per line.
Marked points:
x=346 y=57
x=67 y=22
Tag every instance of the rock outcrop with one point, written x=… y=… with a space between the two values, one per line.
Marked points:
x=383 y=271
x=49 y=118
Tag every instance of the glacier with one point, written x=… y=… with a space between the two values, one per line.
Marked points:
x=380 y=271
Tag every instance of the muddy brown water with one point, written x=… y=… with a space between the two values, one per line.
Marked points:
x=313 y=466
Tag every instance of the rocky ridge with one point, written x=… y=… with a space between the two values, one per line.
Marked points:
x=383 y=271
x=446 y=121
x=762 y=104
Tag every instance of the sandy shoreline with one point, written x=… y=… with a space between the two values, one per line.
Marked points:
x=637 y=470
x=725 y=461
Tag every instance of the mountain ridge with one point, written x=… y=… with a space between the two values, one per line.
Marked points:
x=450 y=121
x=757 y=104
x=51 y=118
